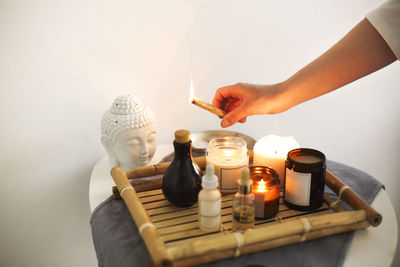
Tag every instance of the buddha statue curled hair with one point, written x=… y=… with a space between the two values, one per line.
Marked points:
x=128 y=133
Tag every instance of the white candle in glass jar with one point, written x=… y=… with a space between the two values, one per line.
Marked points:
x=229 y=156
x=271 y=151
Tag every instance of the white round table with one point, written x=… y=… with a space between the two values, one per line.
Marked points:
x=373 y=246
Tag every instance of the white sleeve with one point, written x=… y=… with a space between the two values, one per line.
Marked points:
x=386 y=20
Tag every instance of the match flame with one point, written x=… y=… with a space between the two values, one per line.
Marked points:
x=191 y=95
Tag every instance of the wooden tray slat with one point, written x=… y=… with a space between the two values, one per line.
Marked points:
x=171 y=209
x=177 y=221
x=165 y=203
x=189 y=225
x=149 y=193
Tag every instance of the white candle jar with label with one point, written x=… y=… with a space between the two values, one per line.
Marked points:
x=229 y=156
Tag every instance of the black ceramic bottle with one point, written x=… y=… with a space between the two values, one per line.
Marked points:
x=182 y=181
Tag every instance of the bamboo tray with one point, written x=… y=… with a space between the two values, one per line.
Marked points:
x=172 y=236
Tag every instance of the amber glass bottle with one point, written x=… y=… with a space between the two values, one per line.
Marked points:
x=305 y=179
x=182 y=181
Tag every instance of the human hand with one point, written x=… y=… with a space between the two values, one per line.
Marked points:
x=242 y=100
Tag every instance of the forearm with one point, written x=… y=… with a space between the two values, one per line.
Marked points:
x=361 y=52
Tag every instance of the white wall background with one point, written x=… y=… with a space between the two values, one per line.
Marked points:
x=63 y=62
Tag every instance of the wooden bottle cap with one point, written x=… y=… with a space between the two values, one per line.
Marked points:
x=182 y=136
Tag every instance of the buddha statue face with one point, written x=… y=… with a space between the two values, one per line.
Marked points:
x=135 y=147
x=128 y=133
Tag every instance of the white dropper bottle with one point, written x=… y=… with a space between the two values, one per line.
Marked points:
x=210 y=202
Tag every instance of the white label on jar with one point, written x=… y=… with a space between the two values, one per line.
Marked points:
x=228 y=177
x=210 y=208
x=297 y=187
x=259 y=199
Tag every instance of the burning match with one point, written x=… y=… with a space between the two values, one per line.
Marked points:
x=204 y=105
x=207 y=106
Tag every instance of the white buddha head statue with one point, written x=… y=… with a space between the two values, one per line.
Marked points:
x=128 y=133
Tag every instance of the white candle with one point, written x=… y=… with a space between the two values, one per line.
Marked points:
x=229 y=156
x=271 y=151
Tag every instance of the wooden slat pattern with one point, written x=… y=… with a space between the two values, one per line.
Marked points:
x=149 y=193
x=211 y=235
x=195 y=232
x=177 y=225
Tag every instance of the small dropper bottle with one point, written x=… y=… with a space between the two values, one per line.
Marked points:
x=209 y=202
x=243 y=204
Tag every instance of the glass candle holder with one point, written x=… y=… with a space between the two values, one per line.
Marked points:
x=266 y=189
x=229 y=156
x=304 y=179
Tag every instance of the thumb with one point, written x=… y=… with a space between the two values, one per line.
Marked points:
x=233 y=117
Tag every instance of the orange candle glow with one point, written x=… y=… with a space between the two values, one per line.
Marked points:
x=266 y=191
x=269 y=193
x=261 y=187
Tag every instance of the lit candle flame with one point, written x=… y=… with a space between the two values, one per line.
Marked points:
x=191 y=94
x=261 y=187
x=228 y=153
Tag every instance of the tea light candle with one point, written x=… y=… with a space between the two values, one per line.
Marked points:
x=271 y=151
x=229 y=156
x=266 y=189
